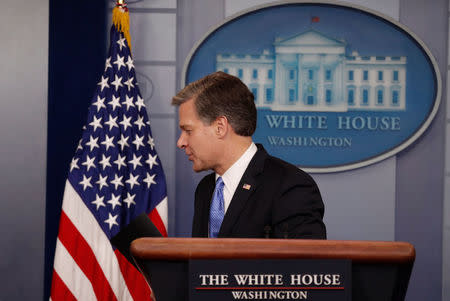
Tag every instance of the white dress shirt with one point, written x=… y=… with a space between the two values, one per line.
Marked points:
x=233 y=175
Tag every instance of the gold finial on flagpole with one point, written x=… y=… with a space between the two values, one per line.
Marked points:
x=121 y=20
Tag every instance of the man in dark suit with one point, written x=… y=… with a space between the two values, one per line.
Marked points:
x=250 y=194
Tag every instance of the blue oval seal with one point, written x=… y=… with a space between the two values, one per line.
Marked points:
x=337 y=87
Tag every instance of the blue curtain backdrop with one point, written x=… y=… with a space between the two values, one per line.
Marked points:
x=77 y=52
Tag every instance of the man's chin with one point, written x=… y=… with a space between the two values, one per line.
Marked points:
x=198 y=168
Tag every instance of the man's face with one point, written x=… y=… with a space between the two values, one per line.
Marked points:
x=197 y=138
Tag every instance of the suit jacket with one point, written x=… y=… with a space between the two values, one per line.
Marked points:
x=282 y=202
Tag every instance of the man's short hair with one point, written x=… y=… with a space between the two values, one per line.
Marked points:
x=220 y=94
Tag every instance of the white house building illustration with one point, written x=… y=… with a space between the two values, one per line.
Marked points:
x=311 y=72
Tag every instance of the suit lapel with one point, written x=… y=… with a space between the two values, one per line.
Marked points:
x=248 y=184
x=206 y=196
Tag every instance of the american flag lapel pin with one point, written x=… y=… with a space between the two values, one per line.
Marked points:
x=246 y=186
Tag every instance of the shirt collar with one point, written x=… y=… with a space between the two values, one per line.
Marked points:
x=233 y=175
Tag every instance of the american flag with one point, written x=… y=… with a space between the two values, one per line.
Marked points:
x=115 y=176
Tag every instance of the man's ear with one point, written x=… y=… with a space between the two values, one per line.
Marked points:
x=221 y=126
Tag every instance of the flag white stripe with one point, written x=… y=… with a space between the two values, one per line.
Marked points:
x=162 y=211
x=71 y=274
x=89 y=228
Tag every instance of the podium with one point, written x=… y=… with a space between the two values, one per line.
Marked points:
x=379 y=270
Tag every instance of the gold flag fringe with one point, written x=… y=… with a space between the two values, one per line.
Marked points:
x=121 y=21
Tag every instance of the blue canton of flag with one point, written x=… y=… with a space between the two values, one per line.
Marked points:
x=116 y=169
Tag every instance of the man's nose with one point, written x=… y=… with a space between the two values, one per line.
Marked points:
x=181 y=143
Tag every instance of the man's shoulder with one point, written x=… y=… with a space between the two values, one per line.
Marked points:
x=285 y=169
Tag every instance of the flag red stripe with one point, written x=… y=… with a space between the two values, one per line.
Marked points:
x=135 y=281
x=59 y=289
x=81 y=252
x=157 y=221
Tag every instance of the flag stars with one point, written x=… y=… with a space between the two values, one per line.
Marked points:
x=104 y=81
x=79 y=147
x=128 y=102
x=105 y=161
x=132 y=180
x=130 y=200
x=108 y=142
x=89 y=163
x=108 y=64
x=117 y=181
x=138 y=141
x=126 y=122
x=123 y=142
x=112 y=122
x=98 y=201
x=129 y=83
x=117 y=82
x=149 y=179
x=121 y=43
x=99 y=103
x=119 y=62
x=114 y=102
x=129 y=63
x=74 y=164
x=114 y=201
x=96 y=123
x=140 y=122
x=136 y=161
x=151 y=160
x=102 y=181
x=86 y=182
x=140 y=102
x=92 y=143
x=112 y=220
x=151 y=142
x=120 y=162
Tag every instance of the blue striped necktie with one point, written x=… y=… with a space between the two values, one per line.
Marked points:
x=217 y=210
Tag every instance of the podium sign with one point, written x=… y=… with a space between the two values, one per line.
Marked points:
x=270 y=279
x=231 y=268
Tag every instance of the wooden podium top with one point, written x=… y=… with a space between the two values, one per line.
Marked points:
x=234 y=248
